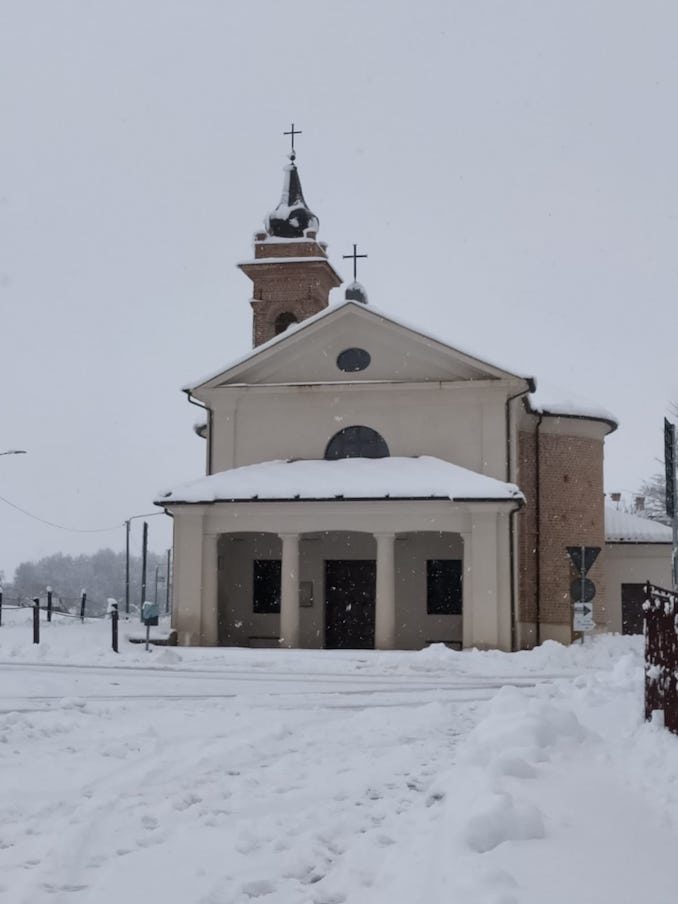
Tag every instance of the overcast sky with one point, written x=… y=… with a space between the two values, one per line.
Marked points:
x=508 y=166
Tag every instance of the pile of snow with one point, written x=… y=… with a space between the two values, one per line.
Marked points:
x=310 y=777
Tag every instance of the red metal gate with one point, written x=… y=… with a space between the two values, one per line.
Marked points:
x=661 y=654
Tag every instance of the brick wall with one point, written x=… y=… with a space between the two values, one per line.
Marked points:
x=297 y=290
x=527 y=529
x=571 y=513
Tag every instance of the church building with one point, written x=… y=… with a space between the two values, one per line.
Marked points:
x=370 y=486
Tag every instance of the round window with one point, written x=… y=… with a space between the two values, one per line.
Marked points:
x=352 y=360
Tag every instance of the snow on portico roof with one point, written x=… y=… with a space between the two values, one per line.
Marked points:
x=421 y=477
x=623 y=527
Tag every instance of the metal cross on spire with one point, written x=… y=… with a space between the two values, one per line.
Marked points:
x=292 y=133
x=354 y=257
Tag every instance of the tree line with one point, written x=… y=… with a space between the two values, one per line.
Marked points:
x=101 y=574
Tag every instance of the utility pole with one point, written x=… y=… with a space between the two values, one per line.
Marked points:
x=144 y=557
x=127 y=527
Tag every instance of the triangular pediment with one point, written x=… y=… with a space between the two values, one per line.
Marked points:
x=318 y=350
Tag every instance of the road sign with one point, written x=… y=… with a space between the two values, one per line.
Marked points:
x=583 y=557
x=582 y=590
x=583 y=617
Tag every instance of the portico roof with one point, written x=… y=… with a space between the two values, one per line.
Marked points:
x=421 y=477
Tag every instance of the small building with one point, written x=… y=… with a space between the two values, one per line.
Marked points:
x=369 y=485
x=638 y=550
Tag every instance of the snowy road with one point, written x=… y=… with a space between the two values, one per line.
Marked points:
x=232 y=777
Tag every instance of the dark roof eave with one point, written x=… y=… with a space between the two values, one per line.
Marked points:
x=638 y=542
x=613 y=425
x=515 y=500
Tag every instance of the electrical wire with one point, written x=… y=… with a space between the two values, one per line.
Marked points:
x=75 y=530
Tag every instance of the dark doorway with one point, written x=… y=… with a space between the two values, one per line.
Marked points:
x=349 y=604
x=633 y=597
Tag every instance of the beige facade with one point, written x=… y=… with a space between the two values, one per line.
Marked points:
x=289 y=399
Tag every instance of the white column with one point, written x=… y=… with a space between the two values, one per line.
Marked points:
x=467 y=593
x=484 y=582
x=209 y=622
x=385 y=619
x=289 y=591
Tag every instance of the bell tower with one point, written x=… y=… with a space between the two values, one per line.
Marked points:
x=290 y=272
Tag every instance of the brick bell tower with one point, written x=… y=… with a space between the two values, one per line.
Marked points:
x=291 y=274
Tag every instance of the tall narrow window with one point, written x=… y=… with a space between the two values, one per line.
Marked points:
x=443 y=587
x=356 y=442
x=266 y=586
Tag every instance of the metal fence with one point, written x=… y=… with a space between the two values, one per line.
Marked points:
x=661 y=654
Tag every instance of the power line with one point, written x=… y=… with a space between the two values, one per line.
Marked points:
x=76 y=530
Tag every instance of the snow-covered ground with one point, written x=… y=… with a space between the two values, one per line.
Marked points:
x=236 y=776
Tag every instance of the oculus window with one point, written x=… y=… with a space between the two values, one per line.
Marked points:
x=351 y=360
x=266 y=586
x=443 y=587
x=356 y=442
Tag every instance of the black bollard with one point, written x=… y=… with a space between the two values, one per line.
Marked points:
x=114 y=627
x=36 y=620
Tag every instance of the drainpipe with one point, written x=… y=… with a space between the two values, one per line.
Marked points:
x=512 y=529
x=209 y=427
x=537 y=492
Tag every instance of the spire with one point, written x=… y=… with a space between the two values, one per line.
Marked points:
x=292 y=218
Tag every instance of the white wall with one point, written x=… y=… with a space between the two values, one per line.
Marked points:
x=462 y=423
x=631 y=563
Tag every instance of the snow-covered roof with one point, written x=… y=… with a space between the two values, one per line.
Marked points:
x=328 y=312
x=549 y=399
x=622 y=527
x=545 y=398
x=423 y=477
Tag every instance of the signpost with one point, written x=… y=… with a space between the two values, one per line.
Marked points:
x=582 y=589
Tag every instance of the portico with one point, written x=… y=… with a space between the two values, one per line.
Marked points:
x=403 y=542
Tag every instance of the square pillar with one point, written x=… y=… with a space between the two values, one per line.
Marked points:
x=209 y=609
x=289 y=591
x=187 y=576
x=466 y=593
x=385 y=618
x=484 y=580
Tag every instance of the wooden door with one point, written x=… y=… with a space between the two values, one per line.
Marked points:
x=349 y=604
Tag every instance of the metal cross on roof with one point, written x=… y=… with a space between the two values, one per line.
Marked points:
x=292 y=133
x=354 y=257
